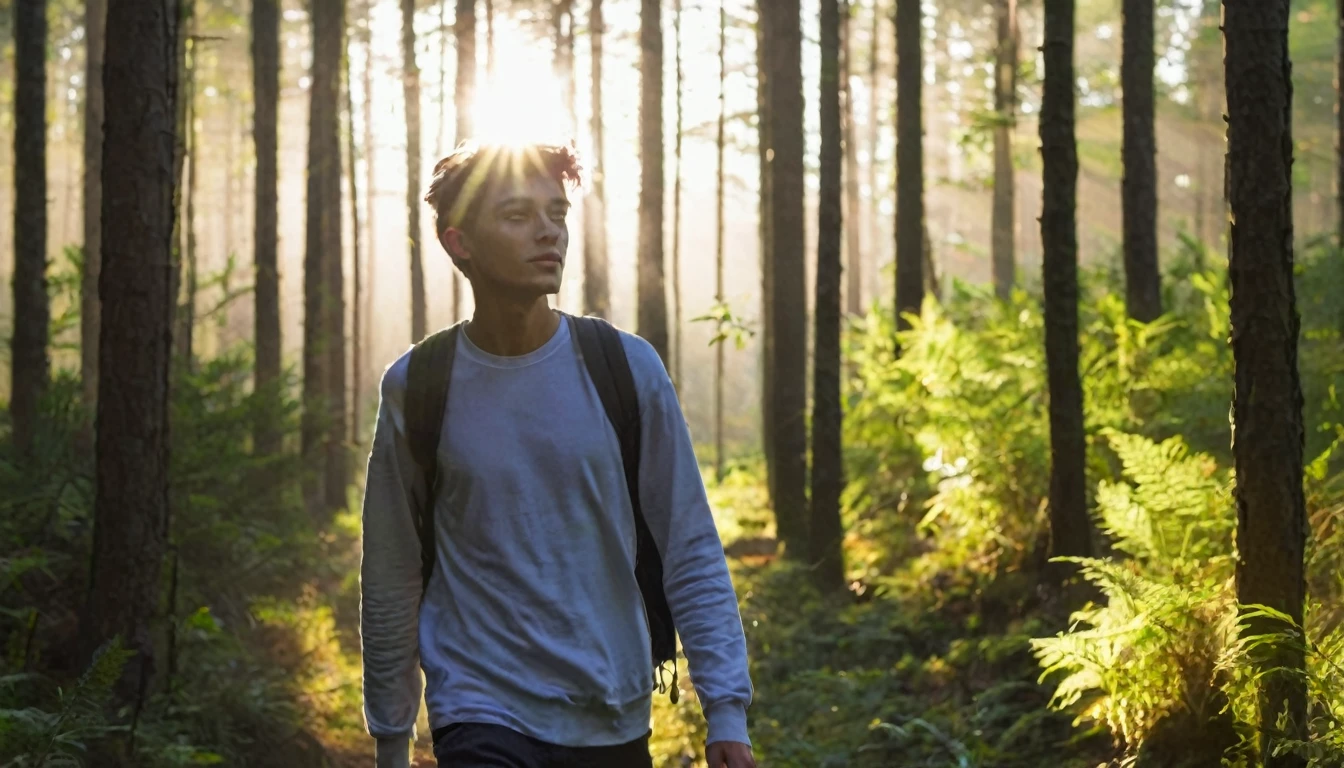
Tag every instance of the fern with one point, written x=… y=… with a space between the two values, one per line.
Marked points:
x=54 y=739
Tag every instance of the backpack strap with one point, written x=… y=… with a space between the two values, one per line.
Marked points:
x=431 y=371
x=609 y=369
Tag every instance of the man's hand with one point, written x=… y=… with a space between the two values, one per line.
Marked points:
x=729 y=754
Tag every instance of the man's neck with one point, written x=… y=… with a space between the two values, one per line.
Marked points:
x=510 y=328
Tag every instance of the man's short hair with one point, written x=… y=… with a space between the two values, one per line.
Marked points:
x=464 y=178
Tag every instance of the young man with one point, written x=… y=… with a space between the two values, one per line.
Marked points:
x=532 y=632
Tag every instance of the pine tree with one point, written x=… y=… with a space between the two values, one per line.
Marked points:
x=30 y=364
x=596 y=290
x=410 y=81
x=909 y=160
x=1004 y=224
x=95 y=24
x=266 y=95
x=652 y=315
x=1143 y=283
x=135 y=346
x=1267 y=430
x=826 y=553
x=1070 y=528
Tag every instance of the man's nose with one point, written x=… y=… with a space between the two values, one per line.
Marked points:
x=549 y=230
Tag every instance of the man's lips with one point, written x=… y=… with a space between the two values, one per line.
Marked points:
x=550 y=257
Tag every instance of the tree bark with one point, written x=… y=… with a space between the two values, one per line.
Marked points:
x=596 y=282
x=826 y=555
x=464 y=95
x=563 y=61
x=676 y=208
x=718 y=238
x=909 y=160
x=1069 y=524
x=764 y=81
x=874 y=133
x=30 y=365
x=135 y=347
x=323 y=429
x=95 y=26
x=266 y=93
x=1267 y=435
x=853 y=258
x=370 y=189
x=410 y=74
x=186 y=323
x=1143 y=282
x=788 y=280
x=356 y=321
x=339 y=467
x=1004 y=224
x=443 y=77
x=652 y=316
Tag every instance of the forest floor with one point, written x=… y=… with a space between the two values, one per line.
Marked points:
x=914 y=667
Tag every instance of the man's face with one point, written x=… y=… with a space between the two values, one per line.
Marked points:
x=516 y=243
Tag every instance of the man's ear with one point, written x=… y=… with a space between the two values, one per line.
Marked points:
x=457 y=244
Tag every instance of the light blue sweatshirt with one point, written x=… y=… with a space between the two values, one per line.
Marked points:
x=533 y=618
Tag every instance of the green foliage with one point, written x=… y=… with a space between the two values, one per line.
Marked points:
x=1153 y=647
x=238 y=532
x=1320 y=640
x=39 y=738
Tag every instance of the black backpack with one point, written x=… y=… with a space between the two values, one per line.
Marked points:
x=431 y=368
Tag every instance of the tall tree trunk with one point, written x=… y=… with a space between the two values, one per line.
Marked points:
x=652 y=298
x=563 y=62
x=29 y=362
x=1004 y=225
x=853 y=260
x=339 y=467
x=788 y=281
x=95 y=25
x=1069 y=525
x=230 y=163
x=439 y=149
x=370 y=190
x=676 y=208
x=185 y=39
x=464 y=94
x=596 y=282
x=324 y=317
x=266 y=93
x=1143 y=283
x=909 y=160
x=357 y=329
x=875 y=86
x=826 y=554
x=764 y=81
x=443 y=78
x=410 y=80
x=135 y=347
x=186 y=322
x=718 y=237
x=1267 y=435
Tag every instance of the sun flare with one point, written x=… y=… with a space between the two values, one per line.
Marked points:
x=522 y=101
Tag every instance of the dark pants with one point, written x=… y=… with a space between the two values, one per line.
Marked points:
x=475 y=745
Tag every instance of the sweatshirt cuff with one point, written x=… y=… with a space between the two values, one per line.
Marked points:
x=727 y=721
x=393 y=752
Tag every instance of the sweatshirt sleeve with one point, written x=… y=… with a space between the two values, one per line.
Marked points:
x=695 y=572
x=390 y=581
